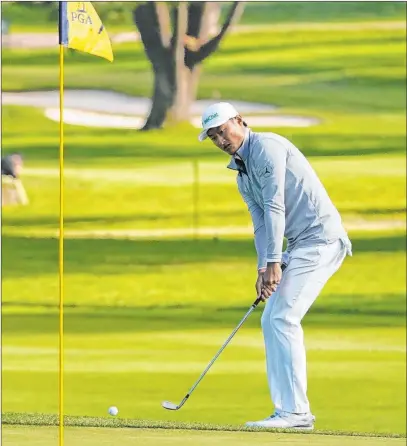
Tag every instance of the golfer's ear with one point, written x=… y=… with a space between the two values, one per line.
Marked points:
x=239 y=119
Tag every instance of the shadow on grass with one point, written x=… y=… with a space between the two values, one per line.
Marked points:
x=116 y=146
x=24 y=256
x=53 y=221
x=299 y=46
x=70 y=222
x=375 y=211
x=329 y=311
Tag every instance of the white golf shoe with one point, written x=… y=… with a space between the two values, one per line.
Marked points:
x=285 y=420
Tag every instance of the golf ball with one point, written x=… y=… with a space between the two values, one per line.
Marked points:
x=113 y=410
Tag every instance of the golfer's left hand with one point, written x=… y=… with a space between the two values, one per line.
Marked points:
x=271 y=279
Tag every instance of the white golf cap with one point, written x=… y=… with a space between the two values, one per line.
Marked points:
x=216 y=115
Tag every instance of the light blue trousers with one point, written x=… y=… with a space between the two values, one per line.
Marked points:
x=307 y=272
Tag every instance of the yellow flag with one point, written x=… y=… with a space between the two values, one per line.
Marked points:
x=80 y=28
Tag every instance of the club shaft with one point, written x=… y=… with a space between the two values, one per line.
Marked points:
x=253 y=307
x=220 y=351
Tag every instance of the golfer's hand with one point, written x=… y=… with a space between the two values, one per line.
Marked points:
x=259 y=281
x=271 y=279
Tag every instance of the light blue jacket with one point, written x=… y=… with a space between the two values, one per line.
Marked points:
x=284 y=196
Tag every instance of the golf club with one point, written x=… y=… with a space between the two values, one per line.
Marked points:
x=171 y=406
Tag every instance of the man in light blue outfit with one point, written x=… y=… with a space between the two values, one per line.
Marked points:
x=285 y=199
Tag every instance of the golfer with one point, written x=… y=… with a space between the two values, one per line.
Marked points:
x=285 y=199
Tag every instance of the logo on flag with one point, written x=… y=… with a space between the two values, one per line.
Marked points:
x=81 y=29
x=80 y=15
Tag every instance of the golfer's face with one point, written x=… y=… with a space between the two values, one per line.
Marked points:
x=229 y=136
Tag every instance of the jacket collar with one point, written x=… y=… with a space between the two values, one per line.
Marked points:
x=243 y=151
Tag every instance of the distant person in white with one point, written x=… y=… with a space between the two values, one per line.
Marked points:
x=285 y=199
x=13 y=191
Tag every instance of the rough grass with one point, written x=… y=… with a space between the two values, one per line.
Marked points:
x=33 y=419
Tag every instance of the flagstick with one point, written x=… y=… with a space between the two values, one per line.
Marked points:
x=61 y=245
x=104 y=51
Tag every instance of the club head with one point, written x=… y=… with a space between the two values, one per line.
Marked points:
x=169 y=406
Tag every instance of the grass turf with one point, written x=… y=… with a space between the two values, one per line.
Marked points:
x=46 y=436
x=321 y=69
x=137 y=358
x=144 y=317
x=35 y=419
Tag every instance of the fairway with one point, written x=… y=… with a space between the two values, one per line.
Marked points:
x=159 y=259
x=136 y=358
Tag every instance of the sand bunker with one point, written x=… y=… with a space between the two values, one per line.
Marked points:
x=95 y=108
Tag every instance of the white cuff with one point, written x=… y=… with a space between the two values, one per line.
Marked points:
x=274 y=260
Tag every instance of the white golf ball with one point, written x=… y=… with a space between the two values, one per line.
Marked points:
x=113 y=410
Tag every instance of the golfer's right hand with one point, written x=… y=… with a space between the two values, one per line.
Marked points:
x=271 y=279
x=259 y=282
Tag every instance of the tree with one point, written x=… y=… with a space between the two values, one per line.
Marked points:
x=176 y=40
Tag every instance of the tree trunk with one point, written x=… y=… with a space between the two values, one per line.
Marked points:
x=176 y=60
x=163 y=98
x=152 y=20
x=209 y=23
x=179 y=109
x=185 y=95
x=196 y=22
